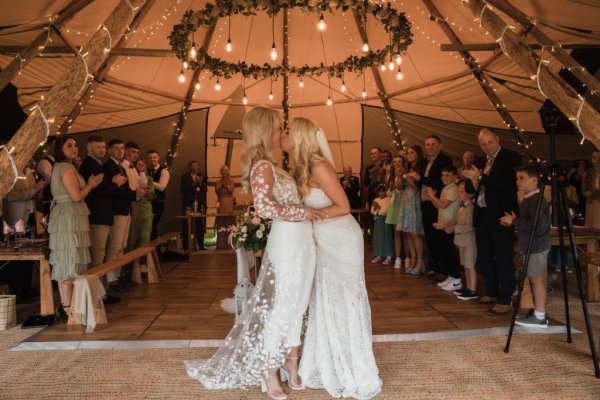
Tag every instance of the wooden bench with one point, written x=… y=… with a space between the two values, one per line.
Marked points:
x=147 y=250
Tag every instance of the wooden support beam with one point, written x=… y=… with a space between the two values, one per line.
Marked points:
x=496 y=46
x=483 y=81
x=125 y=52
x=26 y=140
x=102 y=73
x=558 y=52
x=551 y=85
x=27 y=53
x=188 y=98
x=395 y=127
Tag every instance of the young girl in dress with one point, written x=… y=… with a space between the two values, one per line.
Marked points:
x=395 y=186
x=383 y=237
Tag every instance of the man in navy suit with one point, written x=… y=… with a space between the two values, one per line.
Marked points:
x=494 y=176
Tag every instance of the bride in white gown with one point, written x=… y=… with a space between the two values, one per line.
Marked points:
x=338 y=353
x=268 y=340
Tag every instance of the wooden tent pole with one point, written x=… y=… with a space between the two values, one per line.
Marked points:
x=398 y=141
x=552 y=86
x=557 y=51
x=39 y=43
x=477 y=72
x=102 y=73
x=188 y=98
x=21 y=147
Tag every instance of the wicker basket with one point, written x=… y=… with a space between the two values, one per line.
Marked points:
x=8 y=311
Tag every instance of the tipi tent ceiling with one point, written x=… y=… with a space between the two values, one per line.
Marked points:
x=436 y=83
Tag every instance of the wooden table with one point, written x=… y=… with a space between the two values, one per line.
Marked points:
x=190 y=216
x=37 y=252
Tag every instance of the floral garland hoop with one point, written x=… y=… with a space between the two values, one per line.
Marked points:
x=394 y=22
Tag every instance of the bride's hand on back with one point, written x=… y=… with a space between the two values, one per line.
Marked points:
x=315 y=214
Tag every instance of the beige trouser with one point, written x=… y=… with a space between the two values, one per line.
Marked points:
x=117 y=241
x=98 y=239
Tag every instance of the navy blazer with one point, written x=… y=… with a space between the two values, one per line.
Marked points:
x=188 y=189
x=500 y=184
x=123 y=195
x=434 y=180
x=99 y=200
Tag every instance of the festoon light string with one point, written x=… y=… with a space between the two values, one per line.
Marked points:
x=500 y=40
x=107 y=49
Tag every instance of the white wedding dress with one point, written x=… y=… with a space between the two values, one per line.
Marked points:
x=338 y=353
x=280 y=297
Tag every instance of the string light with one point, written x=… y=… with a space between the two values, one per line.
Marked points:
x=218 y=85
x=185 y=65
x=107 y=49
x=399 y=75
x=321 y=26
x=382 y=68
x=193 y=51
x=343 y=88
x=329 y=101
x=197 y=85
x=271 y=92
x=228 y=45
x=398 y=59
x=391 y=65
x=245 y=99
x=181 y=78
x=273 y=50
x=87 y=72
x=301 y=83
x=273 y=53
x=365 y=47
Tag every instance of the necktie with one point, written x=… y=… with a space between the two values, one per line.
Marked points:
x=486 y=171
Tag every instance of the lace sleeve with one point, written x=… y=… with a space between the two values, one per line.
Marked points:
x=262 y=181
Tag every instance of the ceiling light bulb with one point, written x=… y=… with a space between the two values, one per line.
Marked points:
x=273 y=53
x=398 y=59
x=181 y=78
x=329 y=101
x=271 y=96
x=245 y=100
x=343 y=87
x=228 y=46
x=301 y=84
x=382 y=68
x=391 y=66
x=364 y=94
x=197 y=85
x=321 y=25
x=399 y=75
x=365 y=47
x=193 y=52
x=218 y=86
x=185 y=65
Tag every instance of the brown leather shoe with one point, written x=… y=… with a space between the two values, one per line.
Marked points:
x=487 y=299
x=500 y=309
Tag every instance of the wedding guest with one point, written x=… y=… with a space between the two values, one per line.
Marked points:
x=464 y=239
x=430 y=175
x=575 y=178
x=468 y=158
x=193 y=189
x=224 y=188
x=447 y=205
x=351 y=188
x=144 y=203
x=528 y=180
x=494 y=177
x=410 y=217
x=132 y=151
x=395 y=187
x=383 y=238
x=590 y=188
x=368 y=195
x=44 y=169
x=68 y=226
x=160 y=175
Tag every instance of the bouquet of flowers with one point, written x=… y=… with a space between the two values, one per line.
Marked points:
x=251 y=232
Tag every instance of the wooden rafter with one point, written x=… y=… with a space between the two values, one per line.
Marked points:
x=27 y=53
x=380 y=88
x=496 y=46
x=102 y=73
x=188 y=98
x=116 y=51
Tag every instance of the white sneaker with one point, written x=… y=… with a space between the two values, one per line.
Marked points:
x=442 y=283
x=453 y=284
x=398 y=263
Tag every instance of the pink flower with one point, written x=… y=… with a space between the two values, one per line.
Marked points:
x=256 y=220
x=244 y=229
x=259 y=234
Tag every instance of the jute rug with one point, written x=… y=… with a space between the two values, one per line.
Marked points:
x=537 y=367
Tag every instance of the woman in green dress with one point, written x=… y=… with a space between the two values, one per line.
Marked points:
x=145 y=204
x=68 y=226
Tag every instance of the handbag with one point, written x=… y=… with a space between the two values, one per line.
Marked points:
x=8 y=311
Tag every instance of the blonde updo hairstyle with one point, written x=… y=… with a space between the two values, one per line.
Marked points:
x=257 y=132
x=307 y=151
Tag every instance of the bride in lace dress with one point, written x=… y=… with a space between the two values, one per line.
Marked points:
x=268 y=339
x=338 y=352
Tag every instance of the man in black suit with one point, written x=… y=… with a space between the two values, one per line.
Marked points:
x=193 y=188
x=99 y=201
x=351 y=188
x=430 y=175
x=494 y=176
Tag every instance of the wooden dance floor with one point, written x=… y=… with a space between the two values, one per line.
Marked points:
x=185 y=305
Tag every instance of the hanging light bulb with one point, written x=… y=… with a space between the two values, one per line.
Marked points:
x=382 y=68
x=301 y=84
x=343 y=87
x=364 y=93
x=391 y=66
x=329 y=101
x=181 y=78
x=228 y=46
x=365 y=47
x=273 y=53
x=245 y=99
x=218 y=86
x=193 y=52
x=185 y=65
x=321 y=25
x=197 y=85
x=399 y=75
x=271 y=96
x=398 y=59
